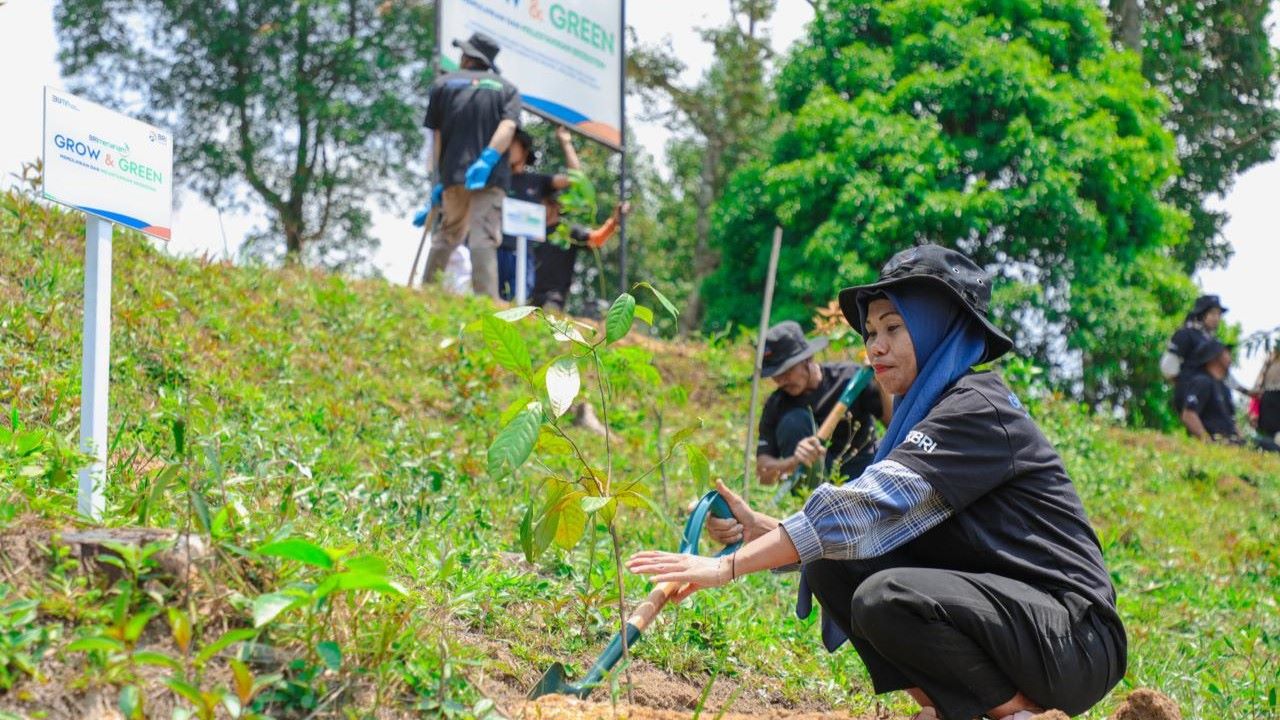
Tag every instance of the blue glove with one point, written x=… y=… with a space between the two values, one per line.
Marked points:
x=420 y=219
x=478 y=173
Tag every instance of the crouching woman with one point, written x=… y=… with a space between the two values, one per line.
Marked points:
x=960 y=564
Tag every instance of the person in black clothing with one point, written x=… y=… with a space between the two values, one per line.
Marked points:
x=473 y=113
x=1200 y=324
x=1267 y=390
x=529 y=186
x=807 y=392
x=961 y=564
x=1203 y=399
x=554 y=262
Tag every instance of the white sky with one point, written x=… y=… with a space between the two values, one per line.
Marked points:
x=1248 y=285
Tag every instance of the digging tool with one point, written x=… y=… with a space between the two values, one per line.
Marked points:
x=427 y=227
x=855 y=386
x=554 y=681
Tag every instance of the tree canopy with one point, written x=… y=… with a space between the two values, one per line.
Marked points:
x=312 y=107
x=1011 y=130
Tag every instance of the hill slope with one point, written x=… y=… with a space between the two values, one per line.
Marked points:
x=252 y=406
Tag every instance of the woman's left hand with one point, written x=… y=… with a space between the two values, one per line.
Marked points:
x=698 y=571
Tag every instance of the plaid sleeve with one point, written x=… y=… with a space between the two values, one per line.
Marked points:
x=888 y=506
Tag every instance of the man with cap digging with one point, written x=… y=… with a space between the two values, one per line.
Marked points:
x=960 y=565
x=473 y=113
x=807 y=391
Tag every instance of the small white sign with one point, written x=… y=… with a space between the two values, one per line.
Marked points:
x=524 y=219
x=107 y=164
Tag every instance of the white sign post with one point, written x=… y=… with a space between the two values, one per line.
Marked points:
x=116 y=170
x=564 y=55
x=526 y=221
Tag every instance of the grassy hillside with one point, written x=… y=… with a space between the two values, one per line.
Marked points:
x=254 y=406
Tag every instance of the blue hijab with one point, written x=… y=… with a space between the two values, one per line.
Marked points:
x=948 y=341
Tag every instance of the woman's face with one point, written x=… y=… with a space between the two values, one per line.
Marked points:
x=889 y=348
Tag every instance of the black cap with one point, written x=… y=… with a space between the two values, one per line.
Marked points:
x=785 y=346
x=1204 y=304
x=480 y=47
x=941 y=267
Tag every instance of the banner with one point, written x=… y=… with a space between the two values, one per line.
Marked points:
x=565 y=56
x=107 y=164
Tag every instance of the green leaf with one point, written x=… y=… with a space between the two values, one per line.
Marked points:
x=552 y=444
x=617 y=322
x=267 y=607
x=158 y=659
x=514 y=443
x=545 y=532
x=91 y=644
x=519 y=312
x=563 y=384
x=367 y=581
x=330 y=654
x=573 y=521
x=506 y=346
x=666 y=304
x=225 y=640
x=513 y=409
x=180 y=628
x=699 y=467
x=133 y=629
x=686 y=432
x=369 y=564
x=201 y=509
x=299 y=550
x=242 y=681
x=644 y=314
x=130 y=702
x=186 y=690
x=526 y=534
x=593 y=503
x=640 y=500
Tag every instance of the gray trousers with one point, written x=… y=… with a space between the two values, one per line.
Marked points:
x=969 y=641
x=474 y=216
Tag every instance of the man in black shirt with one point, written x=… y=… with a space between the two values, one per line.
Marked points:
x=1203 y=399
x=534 y=187
x=473 y=114
x=807 y=391
x=1200 y=324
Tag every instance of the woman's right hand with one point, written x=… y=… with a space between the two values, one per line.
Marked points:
x=745 y=525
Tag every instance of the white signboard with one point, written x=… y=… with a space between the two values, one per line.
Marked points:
x=565 y=56
x=524 y=219
x=107 y=164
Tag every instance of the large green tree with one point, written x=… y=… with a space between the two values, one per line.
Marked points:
x=1215 y=62
x=307 y=108
x=1012 y=130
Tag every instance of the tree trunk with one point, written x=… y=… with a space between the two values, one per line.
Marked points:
x=1126 y=23
x=705 y=260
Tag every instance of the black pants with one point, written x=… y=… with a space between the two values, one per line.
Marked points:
x=798 y=423
x=969 y=641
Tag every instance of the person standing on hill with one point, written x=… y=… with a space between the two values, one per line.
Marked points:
x=960 y=565
x=534 y=187
x=554 y=260
x=1267 y=392
x=473 y=114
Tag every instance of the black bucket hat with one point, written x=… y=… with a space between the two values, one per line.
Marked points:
x=1204 y=304
x=785 y=346
x=939 y=267
x=480 y=47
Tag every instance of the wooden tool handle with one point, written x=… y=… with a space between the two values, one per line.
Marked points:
x=646 y=611
x=833 y=419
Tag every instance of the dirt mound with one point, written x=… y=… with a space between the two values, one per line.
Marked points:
x=1147 y=704
x=560 y=707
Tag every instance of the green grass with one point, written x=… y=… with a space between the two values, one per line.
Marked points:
x=251 y=405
